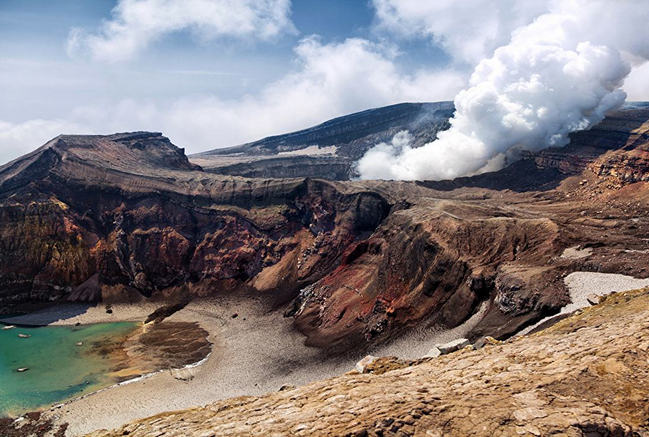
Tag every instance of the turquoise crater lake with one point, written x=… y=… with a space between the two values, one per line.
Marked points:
x=62 y=362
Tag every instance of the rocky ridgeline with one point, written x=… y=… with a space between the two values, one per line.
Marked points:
x=598 y=149
x=585 y=376
x=128 y=217
x=354 y=134
x=351 y=135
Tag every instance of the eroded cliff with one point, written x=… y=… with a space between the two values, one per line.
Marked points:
x=127 y=217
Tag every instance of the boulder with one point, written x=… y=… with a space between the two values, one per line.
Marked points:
x=480 y=343
x=452 y=346
x=433 y=353
x=484 y=341
x=363 y=364
x=593 y=299
x=183 y=374
x=381 y=365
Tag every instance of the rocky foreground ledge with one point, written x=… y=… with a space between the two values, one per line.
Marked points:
x=586 y=375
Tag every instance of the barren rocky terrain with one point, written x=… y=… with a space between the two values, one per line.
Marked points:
x=128 y=218
x=585 y=376
x=328 y=150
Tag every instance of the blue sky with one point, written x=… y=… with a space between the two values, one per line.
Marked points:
x=210 y=75
x=33 y=36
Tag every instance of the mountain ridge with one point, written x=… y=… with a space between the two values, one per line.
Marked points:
x=128 y=218
x=355 y=125
x=349 y=137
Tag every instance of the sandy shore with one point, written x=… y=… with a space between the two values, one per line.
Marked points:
x=582 y=284
x=257 y=352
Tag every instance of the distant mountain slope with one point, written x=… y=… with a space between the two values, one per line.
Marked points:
x=331 y=149
x=136 y=153
x=339 y=143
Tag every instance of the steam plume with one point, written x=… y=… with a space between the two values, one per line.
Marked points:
x=557 y=75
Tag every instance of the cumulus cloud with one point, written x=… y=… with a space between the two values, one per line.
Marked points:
x=559 y=74
x=137 y=23
x=469 y=30
x=329 y=80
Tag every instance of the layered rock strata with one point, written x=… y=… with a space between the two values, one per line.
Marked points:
x=128 y=217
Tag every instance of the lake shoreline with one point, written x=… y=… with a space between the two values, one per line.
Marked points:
x=255 y=350
x=41 y=365
x=144 y=351
x=66 y=314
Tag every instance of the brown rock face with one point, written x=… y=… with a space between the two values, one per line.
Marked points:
x=585 y=376
x=127 y=216
x=423 y=263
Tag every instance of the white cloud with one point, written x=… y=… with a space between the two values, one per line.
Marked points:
x=636 y=84
x=329 y=80
x=332 y=80
x=137 y=23
x=19 y=138
x=468 y=30
x=559 y=74
x=379 y=160
x=471 y=30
